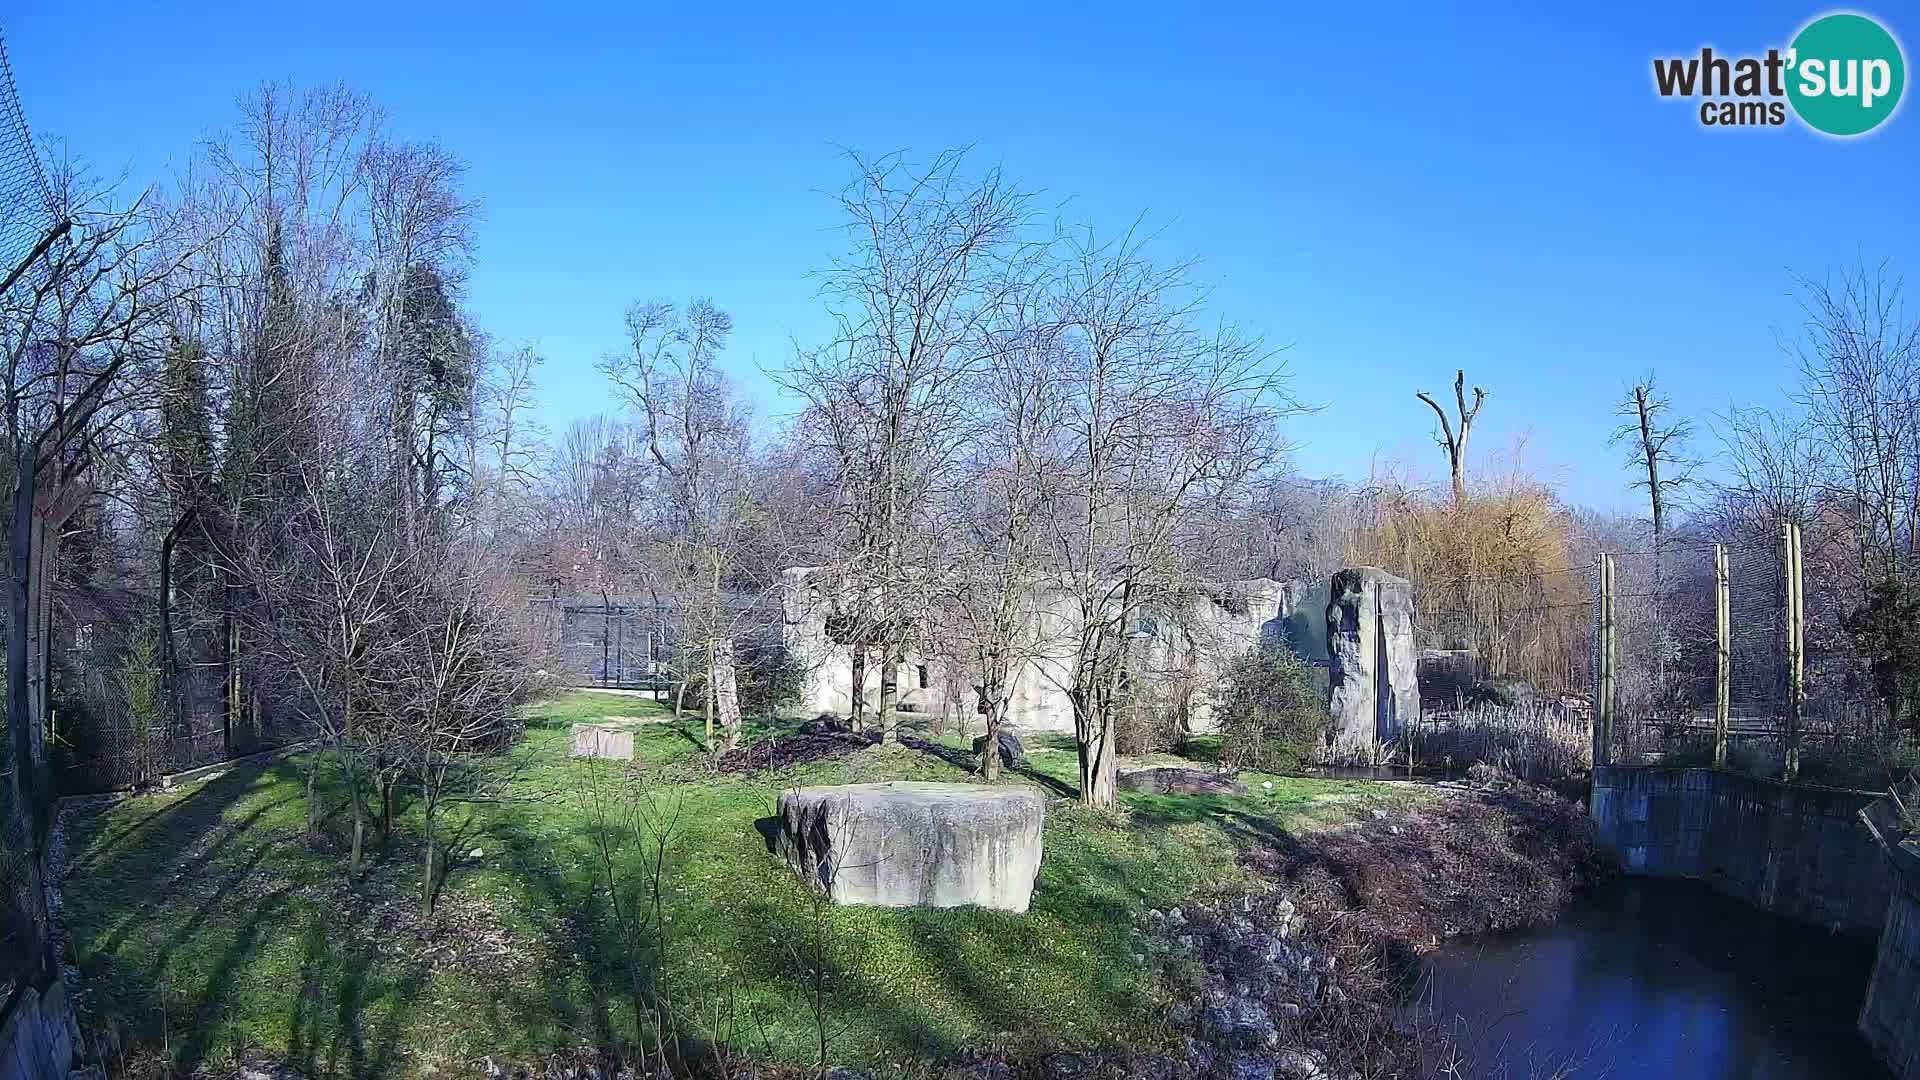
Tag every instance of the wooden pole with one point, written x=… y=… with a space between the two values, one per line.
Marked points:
x=1723 y=654
x=1796 y=651
x=1603 y=669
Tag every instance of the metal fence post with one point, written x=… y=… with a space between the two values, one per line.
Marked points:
x=1796 y=650
x=1723 y=652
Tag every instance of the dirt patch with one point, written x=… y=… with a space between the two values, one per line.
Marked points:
x=1493 y=858
x=786 y=751
x=1169 y=780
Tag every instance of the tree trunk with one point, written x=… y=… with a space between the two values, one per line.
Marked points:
x=39 y=647
x=890 y=699
x=359 y=810
x=857 y=716
x=229 y=661
x=713 y=681
x=1099 y=776
x=723 y=692
x=313 y=800
x=1099 y=773
x=169 y=669
x=386 y=813
x=426 y=859
x=21 y=721
x=990 y=757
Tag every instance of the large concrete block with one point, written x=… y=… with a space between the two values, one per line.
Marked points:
x=611 y=741
x=904 y=844
x=1373 y=664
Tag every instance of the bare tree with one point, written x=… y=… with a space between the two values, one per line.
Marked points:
x=326 y=581
x=1658 y=449
x=994 y=547
x=932 y=256
x=1455 y=444
x=695 y=434
x=1162 y=422
x=418 y=231
x=507 y=444
x=1859 y=356
x=449 y=681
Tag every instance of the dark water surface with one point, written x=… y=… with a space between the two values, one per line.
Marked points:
x=1655 y=979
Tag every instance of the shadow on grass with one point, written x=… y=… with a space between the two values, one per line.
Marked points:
x=222 y=872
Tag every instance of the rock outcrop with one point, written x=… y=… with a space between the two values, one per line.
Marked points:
x=1373 y=662
x=904 y=844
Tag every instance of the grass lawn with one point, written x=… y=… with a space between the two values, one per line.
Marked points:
x=206 y=929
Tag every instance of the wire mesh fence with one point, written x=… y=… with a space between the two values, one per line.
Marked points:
x=1733 y=653
x=1738 y=654
x=639 y=642
x=26 y=218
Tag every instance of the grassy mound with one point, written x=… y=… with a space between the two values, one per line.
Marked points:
x=207 y=930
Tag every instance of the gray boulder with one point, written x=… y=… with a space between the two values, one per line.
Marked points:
x=825 y=724
x=1373 y=665
x=1013 y=754
x=904 y=844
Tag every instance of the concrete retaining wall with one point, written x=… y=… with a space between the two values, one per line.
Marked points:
x=1795 y=850
x=1890 y=1018
x=37 y=1035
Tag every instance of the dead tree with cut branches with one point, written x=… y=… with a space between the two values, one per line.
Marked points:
x=1452 y=442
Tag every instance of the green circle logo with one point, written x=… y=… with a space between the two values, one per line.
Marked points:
x=1845 y=74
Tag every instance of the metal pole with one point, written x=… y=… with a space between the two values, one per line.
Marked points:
x=1723 y=653
x=1796 y=652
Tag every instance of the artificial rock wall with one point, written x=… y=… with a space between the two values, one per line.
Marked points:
x=1373 y=662
x=1196 y=641
x=1792 y=849
x=37 y=1035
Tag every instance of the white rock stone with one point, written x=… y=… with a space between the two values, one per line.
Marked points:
x=905 y=844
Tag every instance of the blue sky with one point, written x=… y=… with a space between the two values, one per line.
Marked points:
x=1392 y=192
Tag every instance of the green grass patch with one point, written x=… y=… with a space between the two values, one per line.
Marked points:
x=206 y=928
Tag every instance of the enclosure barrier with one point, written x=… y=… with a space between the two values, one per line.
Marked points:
x=1733 y=654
